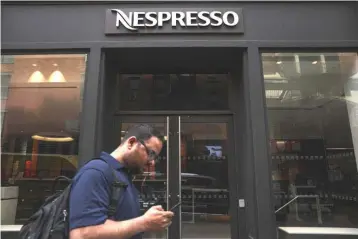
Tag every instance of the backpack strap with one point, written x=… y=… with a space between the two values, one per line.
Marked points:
x=117 y=188
x=56 y=181
x=116 y=192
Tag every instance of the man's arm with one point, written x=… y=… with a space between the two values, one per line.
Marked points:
x=111 y=229
x=89 y=200
x=153 y=220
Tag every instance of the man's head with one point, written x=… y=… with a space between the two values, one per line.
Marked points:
x=140 y=147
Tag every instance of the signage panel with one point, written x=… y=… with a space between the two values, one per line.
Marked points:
x=173 y=21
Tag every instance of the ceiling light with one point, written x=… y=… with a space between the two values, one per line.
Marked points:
x=279 y=62
x=314 y=62
x=57 y=76
x=55 y=64
x=34 y=64
x=36 y=77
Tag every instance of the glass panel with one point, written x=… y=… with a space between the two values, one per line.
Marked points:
x=7 y=59
x=204 y=174
x=174 y=92
x=312 y=112
x=39 y=139
x=152 y=184
x=5 y=81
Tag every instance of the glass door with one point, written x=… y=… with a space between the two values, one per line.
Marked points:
x=193 y=170
x=206 y=191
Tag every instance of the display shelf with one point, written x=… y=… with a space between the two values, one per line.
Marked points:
x=342 y=197
x=297 y=157
x=206 y=158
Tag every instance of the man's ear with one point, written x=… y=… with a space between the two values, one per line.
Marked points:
x=131 y=141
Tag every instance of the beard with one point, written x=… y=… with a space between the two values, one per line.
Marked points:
x=133 y=168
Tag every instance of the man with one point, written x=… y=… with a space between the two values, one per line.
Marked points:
x=89 y=199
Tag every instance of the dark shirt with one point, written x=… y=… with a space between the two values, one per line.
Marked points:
x=90 y=194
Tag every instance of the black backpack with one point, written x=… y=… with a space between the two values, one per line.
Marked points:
x=51 y=220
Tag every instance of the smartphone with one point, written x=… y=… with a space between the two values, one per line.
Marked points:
x=175 y=206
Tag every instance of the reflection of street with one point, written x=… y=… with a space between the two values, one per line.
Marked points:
x=200 y=198
x=215 y=151
x=213 y=230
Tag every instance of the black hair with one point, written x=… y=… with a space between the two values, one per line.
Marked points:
x=141 y=132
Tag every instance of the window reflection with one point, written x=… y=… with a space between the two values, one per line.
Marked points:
x=40 y=128
x=165 y=91
x=312 y=113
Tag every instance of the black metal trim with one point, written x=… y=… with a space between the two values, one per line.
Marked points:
x=259 y=145
x=139 y=1
x=5 y=199
x=172 y=112
x=205 y=118
x=309 y=49
x=246 y=174
x=262 y=44
x=41 y=50
x=90 y=107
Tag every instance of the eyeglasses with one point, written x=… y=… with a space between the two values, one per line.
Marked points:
x=152 y=155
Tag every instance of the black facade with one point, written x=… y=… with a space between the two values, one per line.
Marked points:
x=79 y=27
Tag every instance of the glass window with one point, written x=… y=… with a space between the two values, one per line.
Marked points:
x=312 y=101
x=7 y=59
x=40 y=131
x=174 y=92
x=5 y=81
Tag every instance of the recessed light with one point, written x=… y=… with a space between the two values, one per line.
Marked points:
x=54 y=64
x=279 y=62
x=34 y=64
x=314 y=62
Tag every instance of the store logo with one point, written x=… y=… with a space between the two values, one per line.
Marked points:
x=213 y=20
x=134 y=20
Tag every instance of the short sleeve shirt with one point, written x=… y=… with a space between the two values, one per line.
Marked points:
x=90 y=194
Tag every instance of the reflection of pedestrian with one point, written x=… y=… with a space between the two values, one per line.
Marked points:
x=90 y=193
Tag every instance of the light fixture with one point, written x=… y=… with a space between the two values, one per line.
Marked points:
x=279 y=62
x=273 y=94
x=52 y=137
x=54 y=64
x=57 y=77
x=355 y=76
x=314 y=62
x=34 y=64
x=275 y=76
x=36 y=77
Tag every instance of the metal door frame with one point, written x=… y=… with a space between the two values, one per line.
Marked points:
x=173 y=124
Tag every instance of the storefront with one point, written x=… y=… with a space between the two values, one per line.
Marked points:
x=256 y=103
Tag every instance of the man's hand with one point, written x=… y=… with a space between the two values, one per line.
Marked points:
x=156 y=219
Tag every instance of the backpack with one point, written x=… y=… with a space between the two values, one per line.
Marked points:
x=51 y=220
